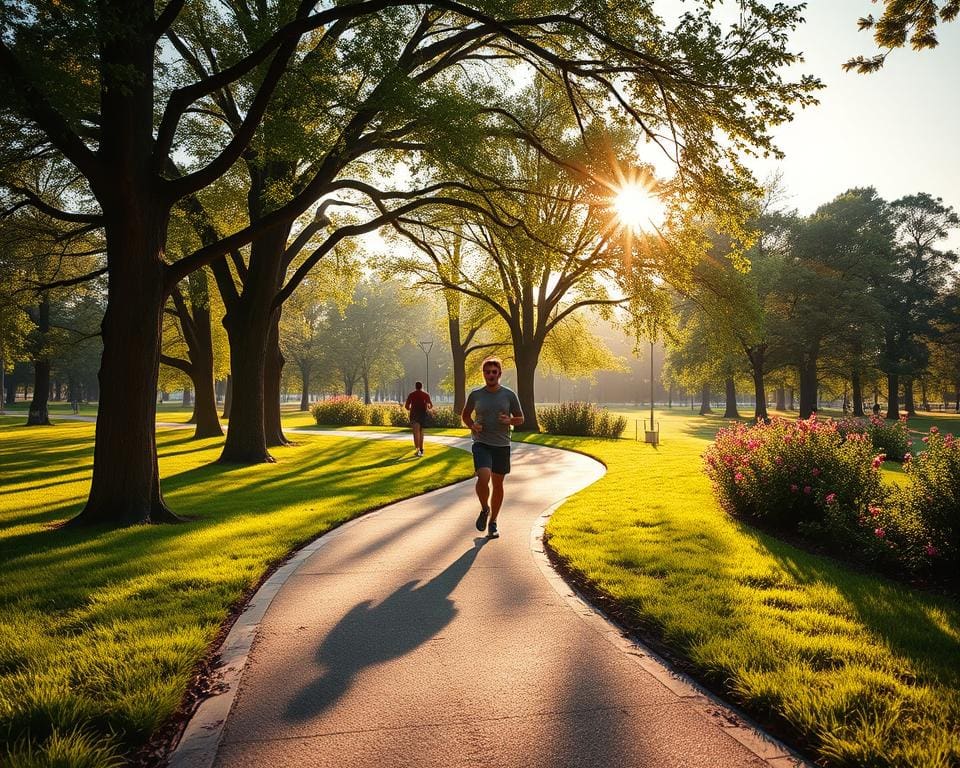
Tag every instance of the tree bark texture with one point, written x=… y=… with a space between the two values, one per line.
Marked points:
x=757 y=357
x=893 y=396
x=305 y=394
x=857 y=387
x=125 y=488
x=908 y=403
x=730 y=411
x=705 y=399
x=808 y=386
x=526 y=360
x=272 y=377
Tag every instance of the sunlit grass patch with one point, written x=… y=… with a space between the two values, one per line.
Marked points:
x=102 y=630
x=861 y=670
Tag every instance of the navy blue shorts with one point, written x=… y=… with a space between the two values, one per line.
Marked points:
x=496 y=458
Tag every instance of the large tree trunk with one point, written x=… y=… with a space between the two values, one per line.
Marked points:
x=272 y=378
x=305 y=379
x=126 y=485
x=246 y=441
x=757 y=356
x=857 y=386
x=705 y=399
x=125 y=488
x=366 y=388
x=808 y=386
x=526 y=358
x=38 y=414
x=248 y=325
x=731 y=399
x=893 y=396
x=195 y=325
x=459 y=365
x=908 y=403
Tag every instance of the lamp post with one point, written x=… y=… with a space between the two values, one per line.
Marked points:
x=425 y=347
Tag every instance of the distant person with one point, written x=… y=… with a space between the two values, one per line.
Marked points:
x=497 y=409
x=418 y=405
x=876 y=408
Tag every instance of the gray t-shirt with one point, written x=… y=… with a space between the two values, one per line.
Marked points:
x=488 y=406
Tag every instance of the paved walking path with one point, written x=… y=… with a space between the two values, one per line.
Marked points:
x=405 y=638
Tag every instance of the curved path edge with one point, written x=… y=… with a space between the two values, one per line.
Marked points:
x=201 y=739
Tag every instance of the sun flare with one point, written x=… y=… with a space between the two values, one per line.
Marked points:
x=636 y=208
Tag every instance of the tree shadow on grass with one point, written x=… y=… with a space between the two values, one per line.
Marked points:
x=923 y=628
x=373 y=634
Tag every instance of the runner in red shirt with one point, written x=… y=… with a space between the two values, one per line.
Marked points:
x=418 y=404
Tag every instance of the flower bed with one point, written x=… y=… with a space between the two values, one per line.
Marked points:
x=821 y=479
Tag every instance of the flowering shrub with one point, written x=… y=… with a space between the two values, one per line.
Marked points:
x=850 y=425
x=822 y=480
x=890 y=437
x=340 y=410
x=581 y=419
x=445 y=417
x=378 y=415
x=795 y=474
x=931 y=499
x=396 y=416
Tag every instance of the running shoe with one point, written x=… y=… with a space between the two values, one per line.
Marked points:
x=482 y=519
x=492 y=532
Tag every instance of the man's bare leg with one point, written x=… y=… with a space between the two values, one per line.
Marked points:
x=417 y=435
x=496 y=498
x=483 y=487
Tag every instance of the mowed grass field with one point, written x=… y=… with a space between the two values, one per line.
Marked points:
x=101 y=631
x=855 y=669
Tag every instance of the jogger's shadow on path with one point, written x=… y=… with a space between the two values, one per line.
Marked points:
x=372 y=634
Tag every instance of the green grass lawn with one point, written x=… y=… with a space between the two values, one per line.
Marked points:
x=855 y=669
x=101 y=631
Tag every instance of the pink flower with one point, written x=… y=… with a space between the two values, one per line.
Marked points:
x=931 y=550
x=779 y=461
x=816 y=472
x=907 y=457
x=739 y=477
x=878 y=460
x=831 y=498
x=934 y=430
x=874 y=511
x=793 y=488
x=926 y=439
x=807 y=490
x=879 y=533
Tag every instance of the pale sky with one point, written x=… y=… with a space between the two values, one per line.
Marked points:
x=897 y=129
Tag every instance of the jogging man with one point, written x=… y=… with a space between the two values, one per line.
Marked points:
x=418 y=403
x=497 y=409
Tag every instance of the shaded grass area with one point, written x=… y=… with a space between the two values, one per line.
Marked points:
x=101 y=630
x=855 y=669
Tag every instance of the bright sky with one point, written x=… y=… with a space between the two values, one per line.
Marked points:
x=897 y=129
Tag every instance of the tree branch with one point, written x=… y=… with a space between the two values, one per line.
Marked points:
x=44 y=207
x=49 y=120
